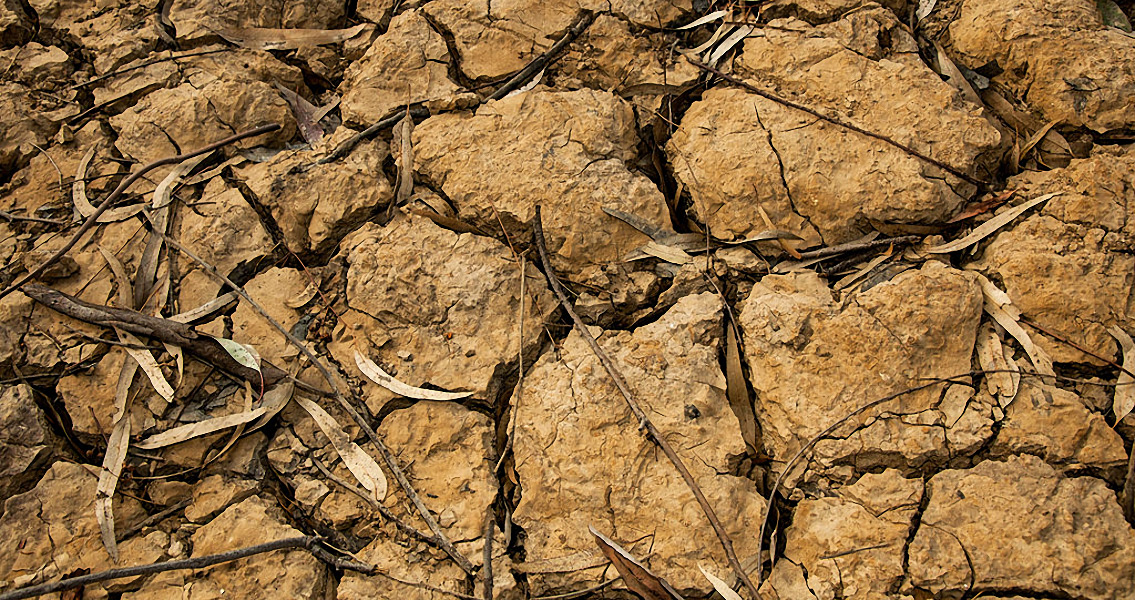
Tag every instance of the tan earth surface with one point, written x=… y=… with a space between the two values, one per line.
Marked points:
x=867 y=267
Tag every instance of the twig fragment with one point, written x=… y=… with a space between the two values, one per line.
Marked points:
x=582 y=22
x=644 y=421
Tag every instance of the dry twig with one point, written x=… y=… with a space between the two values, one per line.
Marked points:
x=644 y=422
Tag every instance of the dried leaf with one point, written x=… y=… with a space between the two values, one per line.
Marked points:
x=734 y=38
x=274 y=400
x=717 y=35
x=1124 y=399
x=205 y=310
x=304 y=296
x=198 y=429
x=358 y=462
x=1113 y=15
x=637 y=577
x=1035 y=138
x=164 y=190
x=304 y=112
x=643 y=226
x=998 y=306
x=375 y=373
x=954 y=76
x=991 y=356
x=449 y=223
x=769 y=235
x=147 y=363
x=241 y=353
x=403 y=136
x=79 y=188
x=983 y=207
x=112 y=462
x=669 y=254
x=528 y=86
x=736 y=389
x=985 y=229
x=121 y=278
x=925 y=7
x=258 y=38
x=327 y=108
x=722 y=588
x=711 y=17
x=789 y=248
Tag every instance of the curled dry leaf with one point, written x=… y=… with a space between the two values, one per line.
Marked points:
x=1001 y=380
x=305 y=114
x=1124 y=400
x=257 y=38
x=635 y=575
x=669 y=254
x=198 y=429
x=147 y=363
x=925 y=7
x=985 y=229
x=403 y=136
x=375 y=373
x=79 y=188
x=1000 y=307
x=358 y=462
x=719 y=585
x=112 y=462
x=304 y=296
x=711 y=17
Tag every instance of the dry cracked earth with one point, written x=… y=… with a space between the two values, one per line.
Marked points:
x=877 y=279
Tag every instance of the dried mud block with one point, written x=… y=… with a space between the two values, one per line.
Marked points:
x=25 y=440
x=572 y=172
x=115 y=33
x=496 y=39
x=36 y=65
x=197 y=19
x=225 y=231
x=446 y=448
x=291 y=573
x=812 y=176
x=24 y=123
x=406 y=65
x=315 y=207
x=1020 y=525
x=1057 y=426
x=813 y=361
x=51 y=531
x=185 y=118
x=1070 y=268
x=1058 y=57
x=851 y=545
x=581 y=460
x=433 y=306
x=610 y=56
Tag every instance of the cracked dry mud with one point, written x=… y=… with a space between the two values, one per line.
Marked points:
x=675 y=206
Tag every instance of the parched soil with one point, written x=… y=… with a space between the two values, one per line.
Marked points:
x=866 y=269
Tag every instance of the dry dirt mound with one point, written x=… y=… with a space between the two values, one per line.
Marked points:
x=866 y=269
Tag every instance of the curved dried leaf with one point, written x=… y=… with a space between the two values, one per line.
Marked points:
x=303 y=297
x=1035 y=138
x=719 y=585
x=79 y=188
x=121 y=278
x=635 y=575
x=304 y=112
x=375 y=373
x=258 y=38
x=112 y=462
x=207 y=309
x=998 y=306
x=147 y=363
x=954 y=76
x=1124 y=400
x=734 y=38
x=988 y=227
x=358 y=462
x=194 y=430
x=925 y=7
x=403 y=136
x=711 y=17
x=991 y=356
x=274 y=400
x=669 y=254
x=241 y=353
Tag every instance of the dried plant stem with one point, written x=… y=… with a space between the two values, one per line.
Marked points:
x=369 y=499
x=644 y=422
x=857 y=246
x=871 y=134
x=384 y=452
x=118 y=191
x=199 y=562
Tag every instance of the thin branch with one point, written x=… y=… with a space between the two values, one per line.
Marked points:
x=835 y=121
x=112 y=199
x=857 y=246
x=1065 y=340
x=170 y=565
x=582 y=22
x=369 y=499
x=349 y=144
x=156 y=518
x=384 y=452
x=644 y=421
x=7 y=216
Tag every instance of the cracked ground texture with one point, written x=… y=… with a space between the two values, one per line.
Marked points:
x=692 y=221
